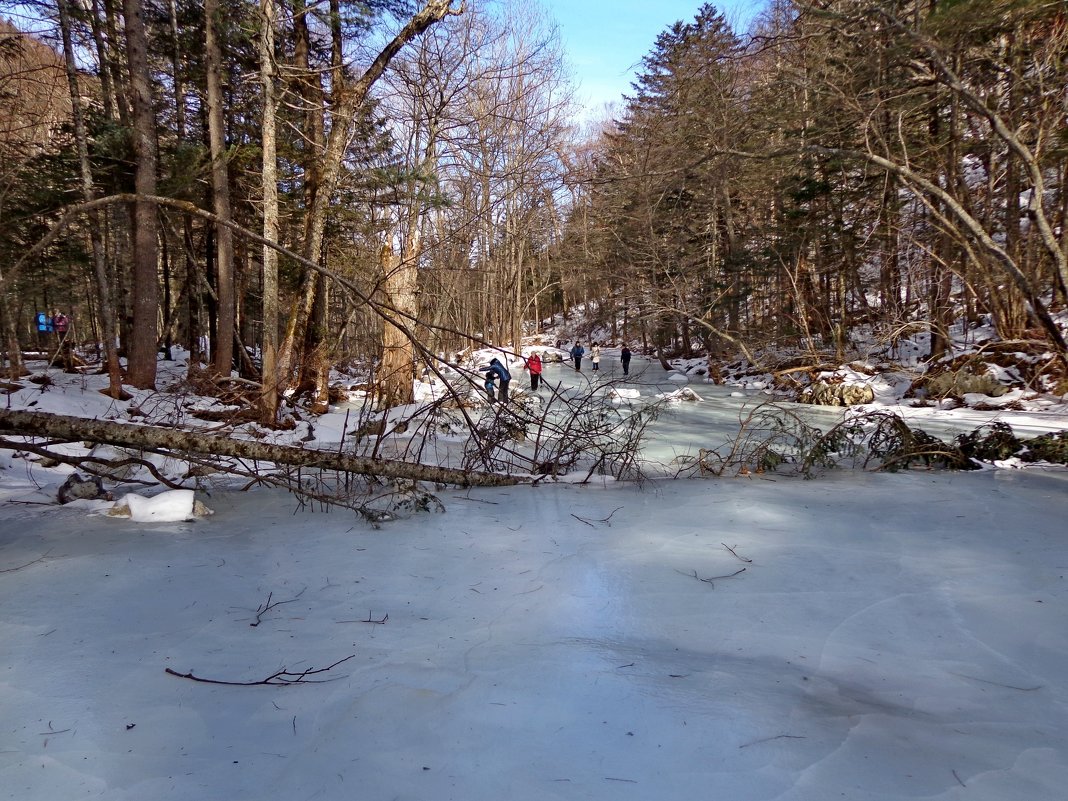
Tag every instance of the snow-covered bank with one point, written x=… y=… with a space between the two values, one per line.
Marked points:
x=893 y=637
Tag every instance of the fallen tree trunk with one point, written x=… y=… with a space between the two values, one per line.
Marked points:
x=64 y=427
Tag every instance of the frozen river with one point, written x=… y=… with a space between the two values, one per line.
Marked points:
x=687 y=427
x=862 y=636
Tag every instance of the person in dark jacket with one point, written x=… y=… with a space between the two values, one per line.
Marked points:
x=502 y=373
x=624 y=357
x=576 y=354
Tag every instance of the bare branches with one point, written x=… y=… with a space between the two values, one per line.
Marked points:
x=94 y=465
x=381 y=622
x=267 y=606
x=281 y=678
x=711 y=579
x=606 y=520
x=729 y=548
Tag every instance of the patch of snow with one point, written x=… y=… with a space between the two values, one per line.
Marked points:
x=171 y=506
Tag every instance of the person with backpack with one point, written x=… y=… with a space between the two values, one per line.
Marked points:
x=576 y=353
x=534 y=368
x=44 y=328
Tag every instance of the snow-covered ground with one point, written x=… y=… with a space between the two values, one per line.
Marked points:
x=895 y=636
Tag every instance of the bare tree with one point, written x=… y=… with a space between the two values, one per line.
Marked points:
x=348 y=96
x=220 y=185
x=141 y=358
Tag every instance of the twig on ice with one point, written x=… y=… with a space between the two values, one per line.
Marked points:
x=283 y=678
x=776 y=737
x=998 y=683
x=376 y=622
x=711 y=579
x=729 y=548
x=606 y=520
x=261 y=611
x=35 y=561
x=52 y=731
x=955 y=776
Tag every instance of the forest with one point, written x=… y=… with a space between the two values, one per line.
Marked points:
x=284 y=187
x=277 y=242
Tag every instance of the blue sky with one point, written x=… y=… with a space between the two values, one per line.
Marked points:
x=606 y=39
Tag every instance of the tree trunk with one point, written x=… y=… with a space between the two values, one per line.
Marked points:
x=68 y=428
x=107 y=310
x=395 y=374
x=269 y=181
x=220 y=183
x=141 y=358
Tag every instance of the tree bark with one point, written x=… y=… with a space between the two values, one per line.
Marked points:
x=141 y=362
x=269 y=180
x=222 y=361
x=152 y=438
x=100 y=272
x=395 y=374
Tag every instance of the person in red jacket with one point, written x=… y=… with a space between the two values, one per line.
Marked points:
x=534 y=368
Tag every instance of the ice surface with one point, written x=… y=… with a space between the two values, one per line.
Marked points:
x=893 y=637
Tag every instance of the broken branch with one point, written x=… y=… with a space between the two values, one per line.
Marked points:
x=283 y=678
x=260 y=611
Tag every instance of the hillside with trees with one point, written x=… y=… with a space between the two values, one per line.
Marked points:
x=851 y=170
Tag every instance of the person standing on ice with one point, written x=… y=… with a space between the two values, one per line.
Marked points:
x=534 y=368
x=501 y=372
x=595 y=356
x=624 y=358
x=577 y=353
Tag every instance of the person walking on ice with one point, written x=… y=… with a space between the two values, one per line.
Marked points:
x=577 y=353
x=534 y=368
x=595 y=356
x=624 y=358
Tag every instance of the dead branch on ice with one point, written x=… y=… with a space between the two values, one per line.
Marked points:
x=268 y=605
x=282 y=678
x=711 y=579
x=729 y=548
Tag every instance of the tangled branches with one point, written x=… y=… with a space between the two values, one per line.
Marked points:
x=775 y=437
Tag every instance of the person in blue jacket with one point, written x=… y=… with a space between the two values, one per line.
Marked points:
x=44 y=328
x=576 y=353
x=495 y=367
